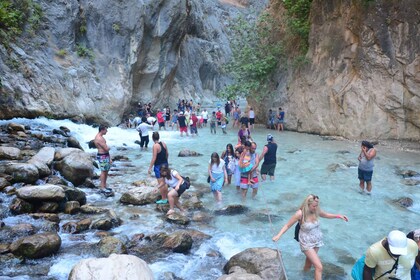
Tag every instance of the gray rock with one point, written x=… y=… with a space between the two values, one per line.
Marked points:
x=48 y=207
x=73 y=143
x=404 y=202
x=76 y=167
x=14 y=127
x=89 y=209
x=7 y=153
x=140 y=196
x=46 y=216
x=122 y=267
x=23 y=172
x=45 y=192
x=72 y=207
x=36 y=246
x=263 y=262
x=177 y=218
x=411 y=182
x=232 y=210
x=75 y=194
x=3 y=183
x=178 y=242
x=45 y=155
x=111 y=245
x=188 y=153
x=20 y=206
x=102 y=224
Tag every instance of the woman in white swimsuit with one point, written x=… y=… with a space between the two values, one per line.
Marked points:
x=310 y=235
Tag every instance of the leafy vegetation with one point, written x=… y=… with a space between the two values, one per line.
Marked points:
x=298 y=24
x=116 y=27
x=84 y=51
x=61 y=53
x=255 y=56
x=15 y=16
x=258 y=50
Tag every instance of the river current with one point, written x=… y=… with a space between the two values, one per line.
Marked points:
x=306 y=164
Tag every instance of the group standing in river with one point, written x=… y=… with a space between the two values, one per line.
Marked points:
x=241 y=163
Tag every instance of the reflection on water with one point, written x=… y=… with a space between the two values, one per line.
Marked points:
x=306 y=164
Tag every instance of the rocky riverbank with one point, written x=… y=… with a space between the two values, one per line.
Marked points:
x=45 y=182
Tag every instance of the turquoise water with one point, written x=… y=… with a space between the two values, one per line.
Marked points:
x=302 y=168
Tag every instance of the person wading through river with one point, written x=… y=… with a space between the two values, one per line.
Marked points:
x=159 y=158
x=104 y=159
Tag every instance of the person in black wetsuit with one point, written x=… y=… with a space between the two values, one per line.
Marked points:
x=159 y=158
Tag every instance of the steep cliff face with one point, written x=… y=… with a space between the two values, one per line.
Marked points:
x=150 y=51
x=362 y=79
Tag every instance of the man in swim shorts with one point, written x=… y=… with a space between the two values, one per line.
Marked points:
x=104 y=159
x=269 y=154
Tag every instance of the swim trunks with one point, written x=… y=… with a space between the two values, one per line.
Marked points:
x=104 y=161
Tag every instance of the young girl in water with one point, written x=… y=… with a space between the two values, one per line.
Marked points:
x=245 y=164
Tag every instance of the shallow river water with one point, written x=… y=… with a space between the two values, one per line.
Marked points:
x=302 y=169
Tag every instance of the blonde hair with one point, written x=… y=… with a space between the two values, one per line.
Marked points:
x=305 y=206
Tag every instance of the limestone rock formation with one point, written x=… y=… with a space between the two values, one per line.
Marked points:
x=150 y=51
x=362 y=78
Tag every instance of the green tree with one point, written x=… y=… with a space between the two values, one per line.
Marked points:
x=298 y=21
x=255 y=57
x=16 y=15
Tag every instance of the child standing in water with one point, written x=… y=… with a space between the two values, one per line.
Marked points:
x=245 y=164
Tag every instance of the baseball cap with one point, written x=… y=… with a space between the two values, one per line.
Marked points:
x=181 y=113
x=269 y=137
x=397 y=242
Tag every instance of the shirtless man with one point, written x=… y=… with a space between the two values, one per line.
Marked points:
x=104 y=159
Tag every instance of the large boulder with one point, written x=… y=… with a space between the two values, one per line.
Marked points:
x=36 y=246
x=9 y=153
x=45 y=192
x=23 y=172
x=122 y=267
x=264 y=262
x=76 y=167
x=140 y=196
x=45 y=155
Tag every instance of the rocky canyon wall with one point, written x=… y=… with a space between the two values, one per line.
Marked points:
x=362 y=77
x=134 y=51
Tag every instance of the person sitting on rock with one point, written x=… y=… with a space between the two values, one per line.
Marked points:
x=178 y=184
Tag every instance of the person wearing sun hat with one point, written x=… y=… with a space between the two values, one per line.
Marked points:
x=391 y=258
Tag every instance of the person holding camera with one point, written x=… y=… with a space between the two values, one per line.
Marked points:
x=365 y=170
